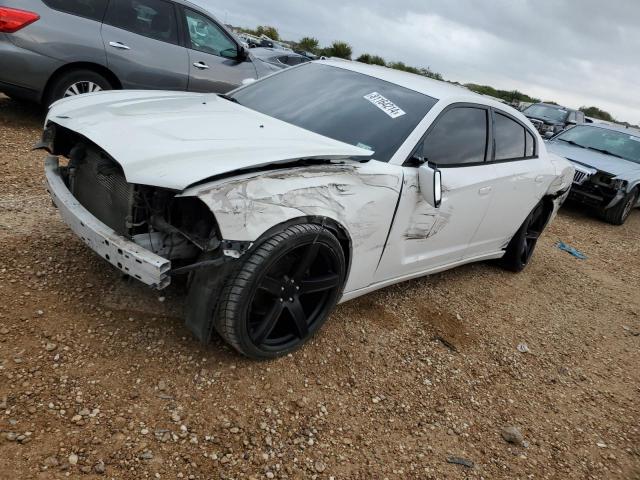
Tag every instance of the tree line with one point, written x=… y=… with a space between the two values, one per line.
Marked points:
x=342 y=49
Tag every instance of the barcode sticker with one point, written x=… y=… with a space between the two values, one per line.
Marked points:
x=386 y=105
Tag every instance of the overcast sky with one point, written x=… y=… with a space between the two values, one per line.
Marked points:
x=576 y=52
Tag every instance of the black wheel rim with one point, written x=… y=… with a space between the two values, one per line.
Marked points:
x=293 y=297
x=532 y=234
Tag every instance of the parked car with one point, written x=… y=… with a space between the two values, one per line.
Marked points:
x=50 y=49
x=315 y=185
x=552 y=119
x=277 y=59
x=309 y=55
x=607 y=162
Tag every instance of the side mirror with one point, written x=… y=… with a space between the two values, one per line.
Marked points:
x=548 y=135
x=430 y=180
x=243 y=54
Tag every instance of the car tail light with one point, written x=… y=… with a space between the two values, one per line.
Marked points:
x=12 y=20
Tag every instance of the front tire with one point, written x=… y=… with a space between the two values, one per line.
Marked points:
x=281 y=295
x=619 y=214
x=522 y=245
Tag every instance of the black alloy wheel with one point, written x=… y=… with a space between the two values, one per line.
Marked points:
x=523 y=244
x=283 y=293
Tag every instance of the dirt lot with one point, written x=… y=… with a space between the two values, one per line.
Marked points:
x=100 y=379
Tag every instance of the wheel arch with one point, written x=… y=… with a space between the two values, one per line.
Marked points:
x=331 y=224
x=69 y=67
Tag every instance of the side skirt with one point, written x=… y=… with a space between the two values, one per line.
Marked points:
x=376 y=286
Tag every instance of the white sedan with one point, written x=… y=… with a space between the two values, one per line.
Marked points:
x=312 y=186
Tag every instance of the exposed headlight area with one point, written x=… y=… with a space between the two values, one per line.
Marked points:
x=596 y=188
x=158 y=220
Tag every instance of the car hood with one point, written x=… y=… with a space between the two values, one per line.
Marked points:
x=620 y=168
x=176 y=139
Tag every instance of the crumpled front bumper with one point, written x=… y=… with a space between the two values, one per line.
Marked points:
x=123 y=254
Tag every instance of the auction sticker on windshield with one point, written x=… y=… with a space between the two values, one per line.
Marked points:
x=384 y=104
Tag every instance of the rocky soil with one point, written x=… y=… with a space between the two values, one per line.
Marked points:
x=474 y=373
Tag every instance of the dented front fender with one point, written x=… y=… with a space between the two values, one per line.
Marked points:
x=361 y=197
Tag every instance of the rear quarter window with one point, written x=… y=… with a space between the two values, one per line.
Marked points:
x=92 y=9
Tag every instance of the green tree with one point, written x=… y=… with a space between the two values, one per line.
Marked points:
x=308 y=44
x=509 y=96
x=339 y=49
x=372 y=59
x=270 y=32
x=595 y=112
x=404 y=68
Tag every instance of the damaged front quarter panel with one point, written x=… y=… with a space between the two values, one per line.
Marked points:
x=360 y=197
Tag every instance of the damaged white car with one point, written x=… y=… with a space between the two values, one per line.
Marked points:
x=313 y=186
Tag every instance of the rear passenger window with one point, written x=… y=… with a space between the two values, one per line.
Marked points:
x=459 y=137
x=530 y=144
x=92 y=9
x=152 y=18
x=510 y=138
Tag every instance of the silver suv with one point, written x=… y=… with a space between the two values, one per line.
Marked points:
x=51 y=49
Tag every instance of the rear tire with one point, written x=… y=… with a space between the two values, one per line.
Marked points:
x=618 y=215
x=281 y=295
x=76 y=82
x=523 y=244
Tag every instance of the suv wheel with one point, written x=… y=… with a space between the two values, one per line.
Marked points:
x=618 y=215
x=76 y=82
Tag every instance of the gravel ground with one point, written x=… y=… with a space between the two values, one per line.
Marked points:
x=100 y=379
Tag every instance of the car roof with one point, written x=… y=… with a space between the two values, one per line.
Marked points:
x=615 y=128
x=436 y=89
x=553 y=105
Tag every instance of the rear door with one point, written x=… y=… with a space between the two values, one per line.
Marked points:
x=142 y=41
x=521 y=180
x=424 y=237
x=214 y=63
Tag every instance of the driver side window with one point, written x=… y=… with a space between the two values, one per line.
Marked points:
x=459 y=137
x=207 y=37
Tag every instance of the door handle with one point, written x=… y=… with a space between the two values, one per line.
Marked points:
x=119 y=45
x=201 y=65
x=540 y=179
x=484 y=191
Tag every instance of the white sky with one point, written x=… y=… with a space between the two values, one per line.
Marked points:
x=576 y=52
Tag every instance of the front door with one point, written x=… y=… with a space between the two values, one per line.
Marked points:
x=424 y=237
x=141 y=39
x=214 y=65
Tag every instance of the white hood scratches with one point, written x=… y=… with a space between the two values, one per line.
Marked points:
x=359 y=196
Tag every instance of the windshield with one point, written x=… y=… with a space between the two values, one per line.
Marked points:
x=547 y=112
x=615 y=143
x=347 y=106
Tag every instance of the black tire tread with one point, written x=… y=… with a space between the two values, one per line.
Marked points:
x=54 y=88
x=511 y=259
x=231 y=293
x=614 y=215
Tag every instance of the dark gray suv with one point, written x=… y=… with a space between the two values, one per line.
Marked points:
x=51 y=49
